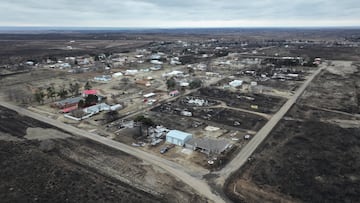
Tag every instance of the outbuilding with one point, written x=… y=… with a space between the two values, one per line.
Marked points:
x=178 y=137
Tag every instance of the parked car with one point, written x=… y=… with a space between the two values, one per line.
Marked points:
x=164 y=150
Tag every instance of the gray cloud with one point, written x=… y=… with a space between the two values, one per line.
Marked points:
x=149 y=13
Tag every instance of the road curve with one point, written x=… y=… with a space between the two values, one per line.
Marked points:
x=261 y=135
x=192 y=178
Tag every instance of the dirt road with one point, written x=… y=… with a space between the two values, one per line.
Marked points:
x=249 y=149
x=192 y=178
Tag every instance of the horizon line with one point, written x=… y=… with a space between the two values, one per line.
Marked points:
x=18 y=28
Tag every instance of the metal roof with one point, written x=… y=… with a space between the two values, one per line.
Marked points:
x=178 y=134
x=216 y=146
x=69 y=101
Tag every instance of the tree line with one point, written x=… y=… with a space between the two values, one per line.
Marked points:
x=62 y=92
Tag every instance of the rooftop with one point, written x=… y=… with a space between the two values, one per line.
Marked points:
x=87 y=92
x=71 y=100
x=209 y=145
x=178 y=134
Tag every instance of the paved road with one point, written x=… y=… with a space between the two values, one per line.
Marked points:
x=249 y=149
x=190 y=177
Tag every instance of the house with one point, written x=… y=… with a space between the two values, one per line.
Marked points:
x=174 y=73
x=89 y=92
x=178 y=137
x=236 y=83
x=97 y=108
x=69 y=102
x=69 y=109
x=103 y=78
x=174 y=93
x=207 y=145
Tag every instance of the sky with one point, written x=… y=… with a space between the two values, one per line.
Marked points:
x=180 y=13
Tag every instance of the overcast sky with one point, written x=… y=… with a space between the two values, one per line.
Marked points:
x=180 y=13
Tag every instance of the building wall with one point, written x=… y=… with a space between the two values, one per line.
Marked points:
x=176 y=141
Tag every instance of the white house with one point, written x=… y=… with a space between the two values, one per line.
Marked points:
x=178 y=137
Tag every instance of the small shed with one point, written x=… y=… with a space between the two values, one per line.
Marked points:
x=178 y=137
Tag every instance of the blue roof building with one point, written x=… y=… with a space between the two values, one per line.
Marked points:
x=178 y=137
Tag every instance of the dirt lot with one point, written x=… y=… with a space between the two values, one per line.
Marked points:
x=265 y=103
x=38 y=166
x=219 y=115
x=339 y=86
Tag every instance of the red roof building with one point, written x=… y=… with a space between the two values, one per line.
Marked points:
x=69 y=109
x=88 y=92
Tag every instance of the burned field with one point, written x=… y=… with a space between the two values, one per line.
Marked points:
x=308 y=161
x=337 y=88
x=29 y=175
x=38 y=166
x=260 y=103
x=211 y=111
x=15 y=124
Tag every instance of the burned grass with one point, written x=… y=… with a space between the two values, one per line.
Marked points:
x=218 y=116
x=16 y=124
x=264 y=103
x=29 y=175
x=308 y=161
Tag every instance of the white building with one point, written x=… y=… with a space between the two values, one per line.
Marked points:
x=156 y=62
x=236 y=83
x=149 y=95
x=131 y=72
x=173 y=73
x=97 y=108
x=103 y=78
x=178 y=137
x=118 y=74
